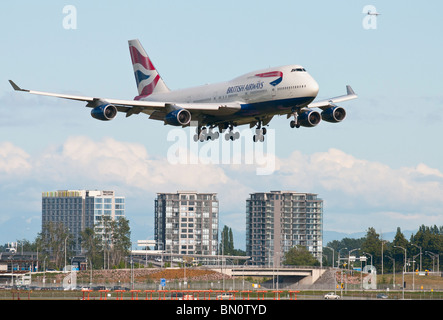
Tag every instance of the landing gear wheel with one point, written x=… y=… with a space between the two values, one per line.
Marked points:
x=259 y=135
x=257 y=138
x=211 y=135
x=203 y=134
x=295 y=123
x=232 y=135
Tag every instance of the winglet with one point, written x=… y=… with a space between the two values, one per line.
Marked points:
x=16 y=87
x=349 y=90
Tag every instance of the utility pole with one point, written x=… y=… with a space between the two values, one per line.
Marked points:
x=404 y=269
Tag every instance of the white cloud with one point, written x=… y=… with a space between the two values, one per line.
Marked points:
x=364 y=182
x=357 y=192
x=127 y=164
x=427 y=171
x=13 y=160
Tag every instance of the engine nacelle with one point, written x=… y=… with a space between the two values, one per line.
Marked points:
x=104 y=112
x=179 y=117
x=309 y=118
x=333 y=114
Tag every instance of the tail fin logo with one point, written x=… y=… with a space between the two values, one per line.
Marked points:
x=278 y=74
x=146 y=76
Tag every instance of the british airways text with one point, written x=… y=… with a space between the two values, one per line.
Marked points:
x=245 y=87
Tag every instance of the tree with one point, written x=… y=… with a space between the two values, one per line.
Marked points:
x=227 y=245
x=227 y=241
x=430 y=240
x=300 y=256
x=111 y=246
x=91 y=245
x=399 y=243
x=120 y=241
x=348 y=243
x=372 y=245
x=55 y=238
x=231 y=241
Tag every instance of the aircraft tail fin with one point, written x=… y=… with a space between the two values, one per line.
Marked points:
x=147 y=78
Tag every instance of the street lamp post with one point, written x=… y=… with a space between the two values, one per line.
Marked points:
x=382 y=264
x=413 y=272
x=65 y=251
x=339 y=254
x=338 y=264
x=370 y=256
x=434 y=255
x=420 y=253
x=332 y=255
x=349 y=257
x=393 y=269
x=404 y=268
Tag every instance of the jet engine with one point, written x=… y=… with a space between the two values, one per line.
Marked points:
x=309 y=118
x=179 y=117
x=104 y=112
x=333 y=114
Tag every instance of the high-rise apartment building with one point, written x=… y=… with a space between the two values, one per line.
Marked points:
x=186 y=222
x=80 y=209
x=279 y=220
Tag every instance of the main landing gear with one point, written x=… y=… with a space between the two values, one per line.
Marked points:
x=231 y=135
x=259 y=133
x=204 y=134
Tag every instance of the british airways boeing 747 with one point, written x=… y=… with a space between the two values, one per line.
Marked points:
x=252 y=99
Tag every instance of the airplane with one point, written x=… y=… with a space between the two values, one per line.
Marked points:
x=370 y=13
x=251 y=99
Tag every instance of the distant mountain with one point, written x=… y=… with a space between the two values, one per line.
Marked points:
x=329 y=236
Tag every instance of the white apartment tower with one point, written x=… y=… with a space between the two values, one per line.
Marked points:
x=186 y=222
x=276 y=221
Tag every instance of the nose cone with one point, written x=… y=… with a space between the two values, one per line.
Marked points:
x=312 y=87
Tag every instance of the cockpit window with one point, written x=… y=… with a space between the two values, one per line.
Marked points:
x=298 y=70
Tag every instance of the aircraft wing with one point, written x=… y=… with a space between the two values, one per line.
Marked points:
x=130 y=107
x=324 y=104
x=129 y=103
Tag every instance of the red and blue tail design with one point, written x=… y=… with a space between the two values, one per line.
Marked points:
x=146 y=76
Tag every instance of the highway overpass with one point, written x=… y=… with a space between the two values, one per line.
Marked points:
x=302 y=275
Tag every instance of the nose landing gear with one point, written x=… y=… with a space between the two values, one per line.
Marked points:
x=294 y=123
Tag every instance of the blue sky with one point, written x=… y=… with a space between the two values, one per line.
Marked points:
x=379 y=168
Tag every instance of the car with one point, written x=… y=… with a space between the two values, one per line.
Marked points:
x=114 y=288
x=181 y=296
x=176 y=295
x=225 y=296
x=331 y=295
x=382 y=296
x=99 y=288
